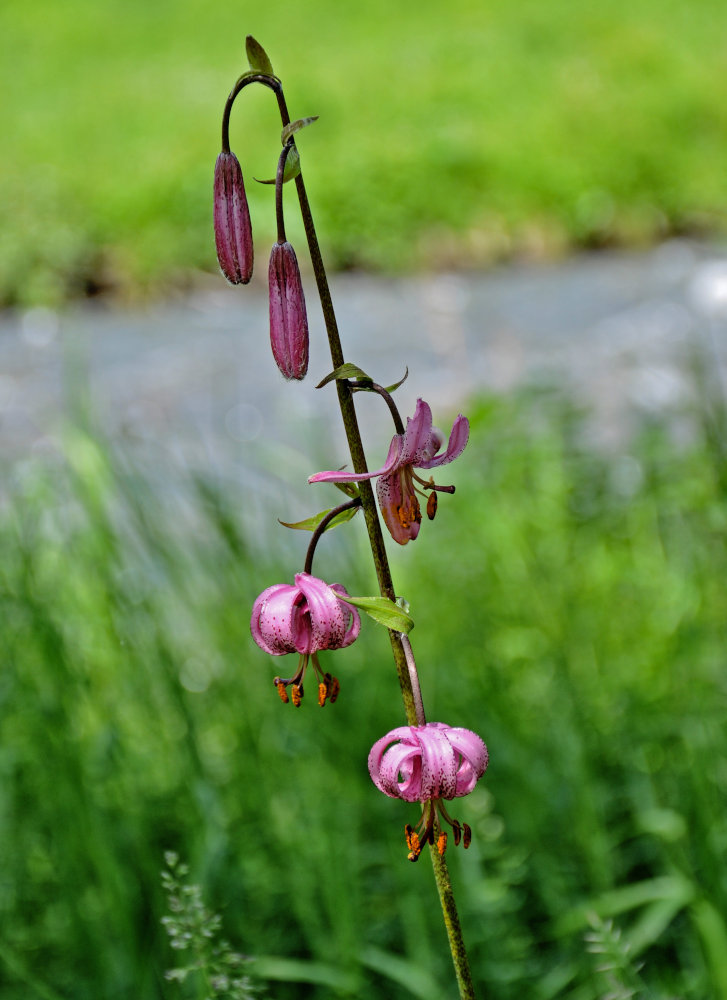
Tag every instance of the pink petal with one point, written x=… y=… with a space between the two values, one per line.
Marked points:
x=337 y=476
x=271 y=623
x=417 y=763
x=455 y=446
x=377 y=752
x=474 y=758
x=355 y=626
x=439 y=764
x=389 y=493
x=327 y=620
x=418 y=432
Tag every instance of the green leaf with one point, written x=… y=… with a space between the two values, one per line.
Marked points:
x=258 y=57
x=345 y=371
x=383 y=611
x=350 y=489
x=292 y=127
x=391 y=388
x=311 y=523
x=291 y=169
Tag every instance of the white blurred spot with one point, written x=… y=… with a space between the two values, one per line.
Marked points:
x=39 y=327
x=708 y=290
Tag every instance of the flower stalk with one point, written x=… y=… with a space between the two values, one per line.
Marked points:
x=401 y=647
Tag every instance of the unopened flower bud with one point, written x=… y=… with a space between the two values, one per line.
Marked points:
x=288 y=318
x=233 y=232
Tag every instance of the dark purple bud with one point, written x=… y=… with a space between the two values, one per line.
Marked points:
x=288 y=319
x=233 y=232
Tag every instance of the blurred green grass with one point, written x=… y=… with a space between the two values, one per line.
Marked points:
x=451 y=138
x=570 y=608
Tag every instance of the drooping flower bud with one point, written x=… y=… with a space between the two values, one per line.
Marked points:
x=233 y=232
x=288 y=318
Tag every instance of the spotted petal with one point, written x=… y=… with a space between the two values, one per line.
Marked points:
x=418 y=763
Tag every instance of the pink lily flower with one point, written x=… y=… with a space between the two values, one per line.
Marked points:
x=304 y=619
x=417 y=448
x=427 y=764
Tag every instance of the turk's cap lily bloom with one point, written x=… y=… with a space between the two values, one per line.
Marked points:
x=304 y=618
x=233 y=231
x=419 y=447
x=288 y=316
x=428 y=764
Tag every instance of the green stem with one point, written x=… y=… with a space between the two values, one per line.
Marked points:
x=373 y=525
x=383 y=575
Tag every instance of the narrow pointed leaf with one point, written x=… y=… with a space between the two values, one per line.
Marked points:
x=391 y=388
x=345 y=371
x=292 y=127
x=383 y=611
x=258 y=57
x=311 y=523
x=290 y=170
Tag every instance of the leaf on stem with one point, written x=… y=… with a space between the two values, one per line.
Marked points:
x=350 y=489
x=290 y=170
x=391 y=388
x=383 y=611
x=346 y=371
x=292 y=127
x=311 y=523
x=258 y=57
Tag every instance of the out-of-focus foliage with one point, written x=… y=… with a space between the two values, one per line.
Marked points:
x=570 y=609
x=457 y=137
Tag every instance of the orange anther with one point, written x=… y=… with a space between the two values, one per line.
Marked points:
x=282 y=692
x=322 y=693
x=296 y=694
x=416 y=847
x=442 y=843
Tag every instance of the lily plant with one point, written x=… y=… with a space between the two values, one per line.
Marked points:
x=421 y=762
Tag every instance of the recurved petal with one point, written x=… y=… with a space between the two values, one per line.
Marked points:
x=351 y=616
x=379 y=749
x=418 y=433
x=233 y=231
x=288 y=317
x=337 y=476
x=439 y=764
x=272 y=620
x=455 y=446
x=328 y=619
x=473 y=758
x=400 y=773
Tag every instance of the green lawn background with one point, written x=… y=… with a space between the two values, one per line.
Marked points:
x=450 y=137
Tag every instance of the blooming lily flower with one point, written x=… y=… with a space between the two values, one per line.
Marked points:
x=427 y=764
x=304 y=619
x=417 y=448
